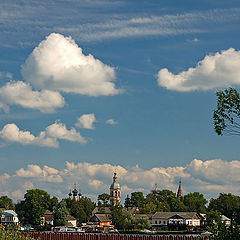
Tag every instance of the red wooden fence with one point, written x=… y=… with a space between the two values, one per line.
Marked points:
x=82 y=236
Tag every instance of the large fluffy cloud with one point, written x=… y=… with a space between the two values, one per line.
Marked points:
x=47 y=138
x=11 y=133
x=60 y=131
x=214 y=71
x=46 y=173
x=20 y=93
x=59 y=64
x=93 y=179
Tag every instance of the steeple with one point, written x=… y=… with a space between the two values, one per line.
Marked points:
x=180 y=191
x=115 y=190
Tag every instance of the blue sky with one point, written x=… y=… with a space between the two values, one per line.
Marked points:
x=126 y=85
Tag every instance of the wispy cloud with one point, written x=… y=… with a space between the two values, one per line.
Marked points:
x=84 y=24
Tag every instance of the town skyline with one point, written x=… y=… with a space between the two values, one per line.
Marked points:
x=92 y=87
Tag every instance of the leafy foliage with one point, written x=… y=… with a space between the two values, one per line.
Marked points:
x=12 y=234
x=213 y=218
x=60 y=213
x=104 y=199
x=32 y=209
x=6 y=203
x=222 y=232
x=137 y=199
x=227 y=115
x=195 y=202
x=143 y=223
x=122 y=219
x=228 y=205
x=53 y=203
x=81 y=210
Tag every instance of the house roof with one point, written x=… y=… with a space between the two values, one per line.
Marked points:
x=47 y=212
x=101 y=217
x=9 y=213
x=70 y=218
x=224 y=218
x=166 y=215
x=105 y=210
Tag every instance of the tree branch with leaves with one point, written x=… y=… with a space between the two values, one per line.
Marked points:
x=227 y=115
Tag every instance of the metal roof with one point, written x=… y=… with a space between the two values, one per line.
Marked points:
x=166 y=215
x=9 y=213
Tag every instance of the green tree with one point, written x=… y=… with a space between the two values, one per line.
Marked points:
x=149 y=208
x=195 y=202
x=168 y=201
x=53 y=203
x=32 y=208
x=227 y=115
x=81 y=210
x=137 y=199
x=222 y=232
x=143 y=223
x=127 y=202
x=213 y=218
x=228 y=205
x=60 y=213
x=104 y=199
x=122 y=219
x=6 y=203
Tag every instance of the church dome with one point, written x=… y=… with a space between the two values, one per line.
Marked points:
x=115 y=184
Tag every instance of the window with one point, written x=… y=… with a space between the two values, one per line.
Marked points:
x=164 y=222
x=156 y=222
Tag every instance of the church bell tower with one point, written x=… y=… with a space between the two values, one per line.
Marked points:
x=115 y=190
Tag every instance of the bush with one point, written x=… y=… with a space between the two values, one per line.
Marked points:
x=12 y=234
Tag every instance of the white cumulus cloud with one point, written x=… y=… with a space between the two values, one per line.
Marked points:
x=59 y=64
x=20 y=93
x=93 y=179
x=47 y=138
x=46 y=174
x=11 y=133
x=86 y=121
x=60 y=131
x=214 y=71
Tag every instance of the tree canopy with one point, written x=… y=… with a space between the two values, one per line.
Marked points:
x=195 y=202
x=228 y=205
x=6 y=203
x=227 y=115
x=81 y=210
x=32 y=208
x=60 y=213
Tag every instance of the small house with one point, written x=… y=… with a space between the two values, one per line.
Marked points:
x=9 y=217
x=101 y=219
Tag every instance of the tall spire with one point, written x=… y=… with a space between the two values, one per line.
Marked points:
x=180 y=191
